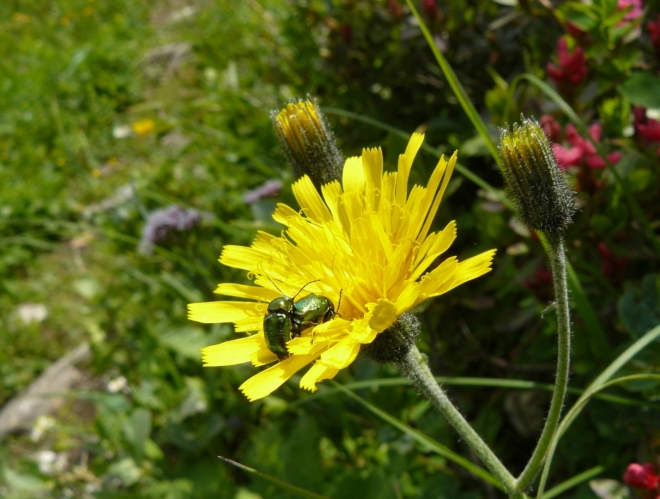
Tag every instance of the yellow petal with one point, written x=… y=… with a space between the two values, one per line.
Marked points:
x=240 y=257
x=317 y=373
x=241 y=291
x=342 y=354
x=441 y=243
x=361 y=332
x=310 y=200
x=372 y=161
x=383 y=314
x=405 y=162
x=436 y=203
x=353 y=177
x=266 y=382
x=249 y=324
x=283 y=213
x=331 y=193
x=263 y=356
x=215 y=312
x=233 y=352
x=474 y=267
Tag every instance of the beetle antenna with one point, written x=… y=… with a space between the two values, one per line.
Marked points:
x=310 y=282
x=273 y=283
x=339 y=302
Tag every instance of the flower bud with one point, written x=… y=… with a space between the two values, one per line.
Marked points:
x=641 y=476
x=540 y=191
x=309 y=144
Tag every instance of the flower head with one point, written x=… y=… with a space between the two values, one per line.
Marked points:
x=641 y=476
x=308 y=142
x=534 y=181
x=571 y=70
x=367 y=241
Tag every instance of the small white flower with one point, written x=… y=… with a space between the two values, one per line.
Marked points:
x=32 y=312
x=122 y=131
x=117 y=384
x=41 y=425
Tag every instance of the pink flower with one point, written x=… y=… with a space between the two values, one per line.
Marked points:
x=648 y=129
x=567 y=157
x=572 y=68
x=583 y=150
x=641 y=476
x=636 y=9
x=551 y=128
x=653 y=28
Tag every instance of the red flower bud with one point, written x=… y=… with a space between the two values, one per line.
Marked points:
x=641 y=476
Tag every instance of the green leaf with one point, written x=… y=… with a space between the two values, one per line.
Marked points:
x=638 y=308
x=187 y=341
x=424 y=439
x=137 y=429
x=284 y=485
x=642 y=89
x=573 y=481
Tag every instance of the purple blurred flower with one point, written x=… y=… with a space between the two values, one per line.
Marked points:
x=269 y=188
x=161 y=222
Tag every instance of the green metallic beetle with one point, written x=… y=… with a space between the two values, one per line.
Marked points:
x=287 y=319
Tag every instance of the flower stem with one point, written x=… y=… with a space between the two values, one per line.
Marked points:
x=558 y=265
x=416 y=368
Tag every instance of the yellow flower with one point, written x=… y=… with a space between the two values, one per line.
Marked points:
x=143 y=127
x=367 y=240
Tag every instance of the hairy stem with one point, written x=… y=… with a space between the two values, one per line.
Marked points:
x=558 y=265
x=414 y=365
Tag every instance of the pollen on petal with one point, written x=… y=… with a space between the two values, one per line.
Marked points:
x=266 y=382
x=383 y=314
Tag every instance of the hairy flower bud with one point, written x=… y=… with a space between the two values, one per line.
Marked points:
x=393 y=344
x=309 y=144
x=540 y=191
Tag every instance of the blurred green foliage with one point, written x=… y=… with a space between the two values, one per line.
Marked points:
x=112 y=109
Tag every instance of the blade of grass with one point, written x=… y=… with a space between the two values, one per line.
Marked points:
x=584 y=131
x=594 y=387
x=424 y=439
x=284 y=485
x=514 y=384
x=456 y=87
x=572 y=482
x=437 y=152
x=581 y=301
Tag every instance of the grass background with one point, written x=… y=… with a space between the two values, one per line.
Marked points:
x=80 y=79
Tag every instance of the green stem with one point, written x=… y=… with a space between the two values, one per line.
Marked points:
x=558 y=265
x=416 y=368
